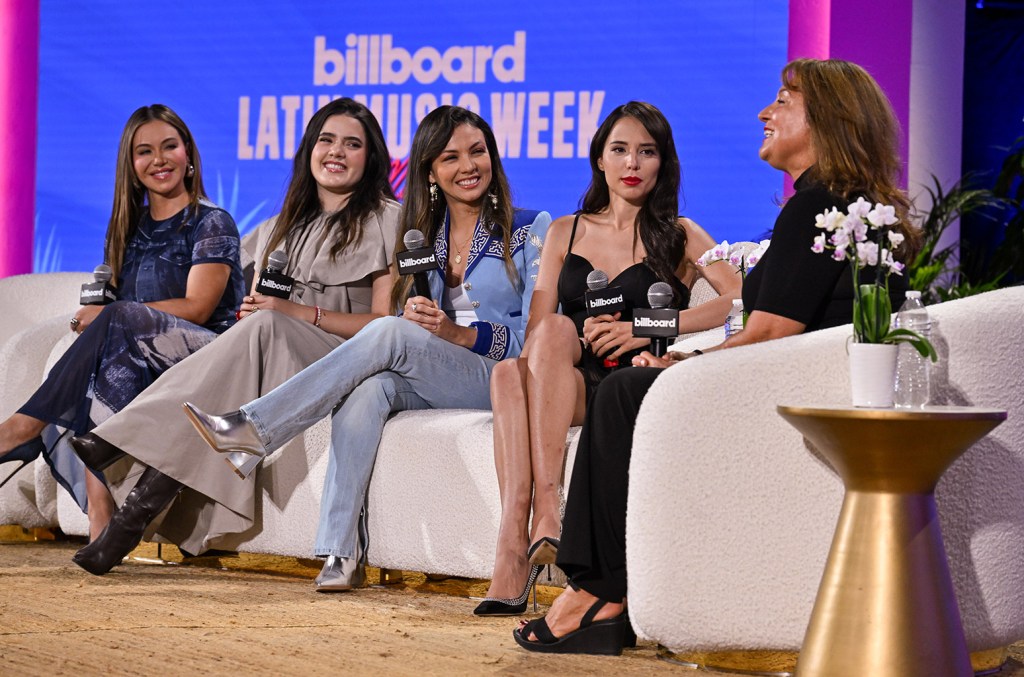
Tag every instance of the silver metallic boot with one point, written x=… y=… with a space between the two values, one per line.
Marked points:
x=345 y=573
x=341 y=573
x=231 y=434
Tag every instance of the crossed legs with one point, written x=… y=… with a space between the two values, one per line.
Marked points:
x=536 y=398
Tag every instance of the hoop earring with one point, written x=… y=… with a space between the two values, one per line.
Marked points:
x=433 y=195
x=191 y=171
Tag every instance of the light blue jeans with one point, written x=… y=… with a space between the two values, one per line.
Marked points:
x=390 y=365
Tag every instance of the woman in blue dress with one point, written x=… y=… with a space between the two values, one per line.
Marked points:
x=175 y=263
x=439 y=354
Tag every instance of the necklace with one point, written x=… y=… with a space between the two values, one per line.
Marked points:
x=458 y=249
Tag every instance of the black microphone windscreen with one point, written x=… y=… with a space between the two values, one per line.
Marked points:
x=659 y=295
x=102 y=273
x=277 y=261
x=597 y=279
x=413 y=239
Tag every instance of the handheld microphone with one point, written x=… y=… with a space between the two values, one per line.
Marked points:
x=659 y=323
x=602 y=299
x=98 y=293
x=416 y=260
x=272 y=281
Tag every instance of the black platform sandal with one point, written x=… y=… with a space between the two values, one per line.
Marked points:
x=605 y=638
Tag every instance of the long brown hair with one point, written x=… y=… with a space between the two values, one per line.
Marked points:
x=855 y=136
x=432 y=137
x=130 y=194
x=657 y=222
x=302 y=202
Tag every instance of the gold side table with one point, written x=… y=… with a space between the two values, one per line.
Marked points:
x=886 y=604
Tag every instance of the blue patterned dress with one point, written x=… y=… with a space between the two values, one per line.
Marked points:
x=129 y=344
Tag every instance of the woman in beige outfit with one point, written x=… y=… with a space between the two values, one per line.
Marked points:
x=338 y=226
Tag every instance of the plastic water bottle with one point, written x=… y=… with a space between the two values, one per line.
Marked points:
x=734 y=322
x=913 y=372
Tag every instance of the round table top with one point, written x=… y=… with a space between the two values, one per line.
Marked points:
x=926 y=413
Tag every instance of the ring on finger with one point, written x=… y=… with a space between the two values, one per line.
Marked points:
x=254 y=308
x=414 y=307
x=74 y=322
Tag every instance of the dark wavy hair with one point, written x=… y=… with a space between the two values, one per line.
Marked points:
x=302 y=202
x=432 y=137
x=657 y=223
x=855 y=136
x=130 y=195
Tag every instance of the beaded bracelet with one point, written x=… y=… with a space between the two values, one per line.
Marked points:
x=319 y=316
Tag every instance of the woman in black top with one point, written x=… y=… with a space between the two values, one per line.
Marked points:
x=628 y=226
x=833 y=131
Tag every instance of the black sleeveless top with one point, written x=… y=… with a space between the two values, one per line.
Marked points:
x=634 y=282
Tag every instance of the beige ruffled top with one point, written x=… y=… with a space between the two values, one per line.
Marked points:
x=344 y=284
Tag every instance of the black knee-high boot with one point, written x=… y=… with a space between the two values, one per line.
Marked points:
x=96 y=453
x=153 y=492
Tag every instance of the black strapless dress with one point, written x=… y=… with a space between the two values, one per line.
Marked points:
x=634 y=282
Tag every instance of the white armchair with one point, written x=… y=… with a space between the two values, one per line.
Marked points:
x=731 y=513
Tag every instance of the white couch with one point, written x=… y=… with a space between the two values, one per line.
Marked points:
x=433 y=500
x=731 y=515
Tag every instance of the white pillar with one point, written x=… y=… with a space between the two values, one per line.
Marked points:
x=936 y=100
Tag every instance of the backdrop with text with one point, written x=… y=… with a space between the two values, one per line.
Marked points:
x=246 y=77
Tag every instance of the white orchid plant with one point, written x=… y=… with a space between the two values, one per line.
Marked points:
x=849 y=237
x=736 y=254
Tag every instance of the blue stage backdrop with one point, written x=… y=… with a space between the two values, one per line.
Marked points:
x=246 y=76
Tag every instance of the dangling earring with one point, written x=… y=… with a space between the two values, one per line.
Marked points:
x=433 y=195
x=191 y=170
x=494 y=199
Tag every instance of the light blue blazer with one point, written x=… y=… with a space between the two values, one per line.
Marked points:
x=501 y=307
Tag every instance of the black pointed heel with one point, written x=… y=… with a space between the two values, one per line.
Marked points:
x=96 y=453
x=543 y=551
x=25 y=452
x=497 y=606
x=604 y=638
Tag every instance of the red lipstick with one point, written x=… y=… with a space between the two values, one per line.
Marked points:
x=631 y=180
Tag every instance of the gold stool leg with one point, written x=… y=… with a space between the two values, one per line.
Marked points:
x=886 y=604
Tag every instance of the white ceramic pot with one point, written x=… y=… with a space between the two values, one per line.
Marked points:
x=872 y=374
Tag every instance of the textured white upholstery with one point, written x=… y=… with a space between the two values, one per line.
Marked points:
x=731 y=514
x=29 y=499
x=29 y=299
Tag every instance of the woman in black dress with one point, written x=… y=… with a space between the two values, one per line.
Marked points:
x=629 y=227
x=833 y=131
